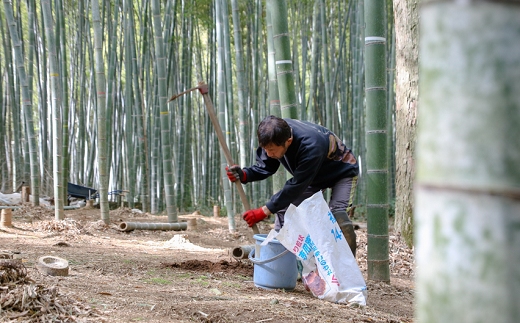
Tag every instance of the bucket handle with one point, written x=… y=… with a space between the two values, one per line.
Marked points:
x=261 y=262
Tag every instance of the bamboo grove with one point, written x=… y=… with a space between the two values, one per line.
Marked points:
x=84 y=88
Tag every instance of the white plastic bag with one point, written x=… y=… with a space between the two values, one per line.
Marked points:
x=330 y=271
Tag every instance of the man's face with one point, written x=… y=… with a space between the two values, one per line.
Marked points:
x=275 y=151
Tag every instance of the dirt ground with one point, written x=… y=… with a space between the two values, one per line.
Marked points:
x=169 y=276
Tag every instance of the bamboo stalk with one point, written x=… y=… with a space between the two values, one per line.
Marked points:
x=376 y=142
x=468 y=201
x=130 y=226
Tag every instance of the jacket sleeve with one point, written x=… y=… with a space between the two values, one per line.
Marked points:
x=310 y=160
x=263 y=168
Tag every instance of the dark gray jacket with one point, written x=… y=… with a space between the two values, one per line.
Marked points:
x=316 y=157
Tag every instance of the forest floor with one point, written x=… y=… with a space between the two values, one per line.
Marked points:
x=169 y=276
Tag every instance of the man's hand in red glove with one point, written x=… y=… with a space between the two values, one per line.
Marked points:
x=254 y=216
x=235 y=173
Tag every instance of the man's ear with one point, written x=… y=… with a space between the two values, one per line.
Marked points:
x=289 y=141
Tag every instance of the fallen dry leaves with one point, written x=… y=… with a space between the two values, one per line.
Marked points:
x=132 y=276
x=23 y=300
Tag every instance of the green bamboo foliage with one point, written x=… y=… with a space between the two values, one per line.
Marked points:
x=167 y=160
x=102 y=147
x=27 y=103
x=56 y=103
x=467 y=185
x=283 y=62
x=376 y=142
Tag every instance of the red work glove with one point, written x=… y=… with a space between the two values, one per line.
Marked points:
x=235 y=173
x=254 y=216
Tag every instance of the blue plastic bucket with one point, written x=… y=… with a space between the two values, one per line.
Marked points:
x=274 y=266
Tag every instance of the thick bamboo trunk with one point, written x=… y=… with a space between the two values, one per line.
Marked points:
x=57 y=121
x=101 y=115
x=376 y=135
x=283 y=60
x=468 y=180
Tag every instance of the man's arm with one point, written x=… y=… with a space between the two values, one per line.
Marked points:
x=263 y=168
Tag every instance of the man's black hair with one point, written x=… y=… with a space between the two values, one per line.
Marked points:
x=273 y=130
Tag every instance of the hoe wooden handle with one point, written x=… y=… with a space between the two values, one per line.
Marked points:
x=203 y=88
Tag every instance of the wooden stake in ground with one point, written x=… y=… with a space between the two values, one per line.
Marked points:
x=5 y=220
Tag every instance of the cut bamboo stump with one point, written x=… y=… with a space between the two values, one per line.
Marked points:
x=192 y=224
x=5 y=219
x=242 y=252
x=26 y=193
x=53 y=266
